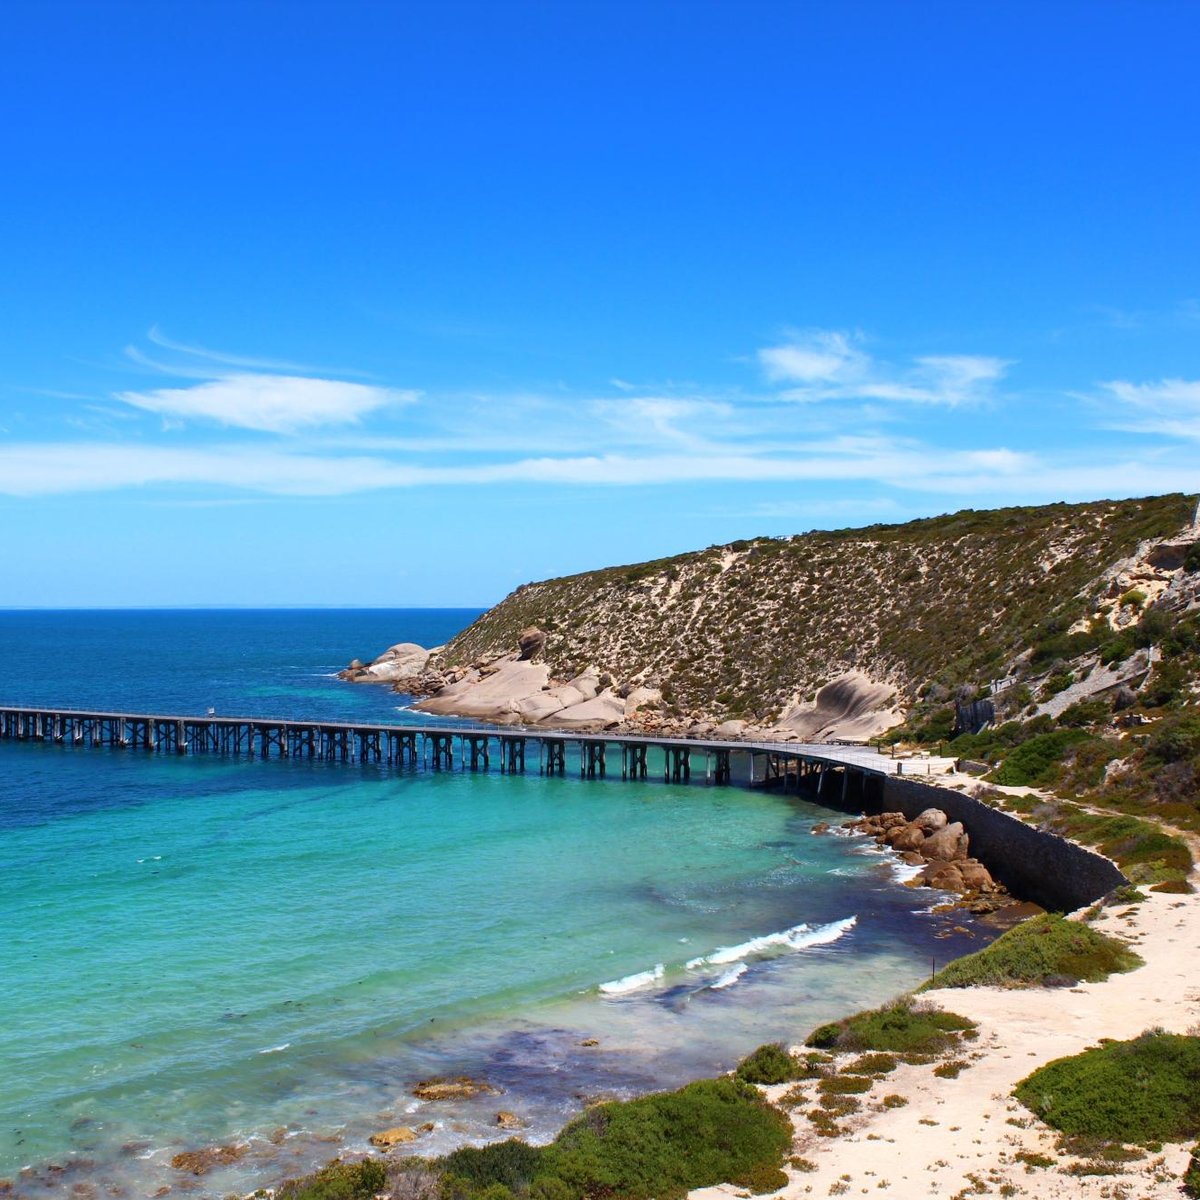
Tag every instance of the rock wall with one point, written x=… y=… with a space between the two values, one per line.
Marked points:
x=1032 y=864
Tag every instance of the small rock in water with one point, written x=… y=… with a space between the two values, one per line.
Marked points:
x=590 y=1042
x=387 y=1138
x=199 y=1162
x=508 y=1120
x=461 y=1087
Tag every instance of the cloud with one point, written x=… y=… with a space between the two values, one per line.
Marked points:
x=40 y=469
x=825 y=365
x=1170 y=406
x=269 y=403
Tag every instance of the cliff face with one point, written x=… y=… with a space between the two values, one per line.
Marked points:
x=755 y=630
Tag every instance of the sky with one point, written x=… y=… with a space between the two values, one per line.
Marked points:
x=392 y=304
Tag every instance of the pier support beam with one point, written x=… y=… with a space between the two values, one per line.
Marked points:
x=556 y=756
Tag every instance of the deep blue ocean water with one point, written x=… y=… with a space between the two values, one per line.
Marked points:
x=200 y=951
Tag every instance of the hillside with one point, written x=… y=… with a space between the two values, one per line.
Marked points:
x=753 y=629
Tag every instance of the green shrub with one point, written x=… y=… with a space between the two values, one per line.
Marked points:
x=1133 y=598
x=338 y=1181
x=662 y=1146
x=900 y=1027
x=1191 y=560
x=1145 y=1090
x=1040 y=948
x=511 y=1164
x=762 y=1180
x=1083 y=713
x=1034 y=762
x=1175 y=738
x=770 y=1064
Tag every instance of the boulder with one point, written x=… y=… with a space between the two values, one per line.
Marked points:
x=945 y=876
x=530 y=642
x=890 y=820
x=947 y=844
x=508 y=1120
x=909 y=838
x=385 y=1139
x=976 y=876
x=931 y=820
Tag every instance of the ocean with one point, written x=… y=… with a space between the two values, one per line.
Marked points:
x=269 y=954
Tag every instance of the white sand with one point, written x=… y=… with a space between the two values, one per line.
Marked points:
x=957 y=1134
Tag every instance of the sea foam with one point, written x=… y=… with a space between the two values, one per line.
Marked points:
x=630 y=983
x=799 y=937
x=730 y=977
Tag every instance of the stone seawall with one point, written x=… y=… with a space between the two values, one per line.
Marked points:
x=1031 y=863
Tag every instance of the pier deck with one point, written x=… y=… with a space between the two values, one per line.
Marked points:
x=441 y=747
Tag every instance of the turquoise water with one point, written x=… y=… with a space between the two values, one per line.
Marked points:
x=201 y=951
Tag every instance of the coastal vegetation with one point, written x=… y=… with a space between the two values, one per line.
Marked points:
x=657 y=1147
x=1143 y=1091
x=902 y=1027
x=1047 y=949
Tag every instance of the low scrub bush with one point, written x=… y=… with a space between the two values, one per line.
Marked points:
x=770 y=1064
x=658 y=1147
x=338 y=1181
x=845 y=1085
x=1035 y=762
x=874 y=1064
x=1038 y=949
x=662 y=1146
x=901 y=1028
x=1141 y=1091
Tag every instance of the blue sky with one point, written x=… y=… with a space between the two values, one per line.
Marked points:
x=408 y=303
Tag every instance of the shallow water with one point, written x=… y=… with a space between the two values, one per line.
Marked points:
x=199 y=951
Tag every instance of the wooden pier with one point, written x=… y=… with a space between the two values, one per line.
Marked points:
x=837 y=773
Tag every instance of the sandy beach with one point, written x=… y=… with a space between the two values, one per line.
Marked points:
x=961 y=1136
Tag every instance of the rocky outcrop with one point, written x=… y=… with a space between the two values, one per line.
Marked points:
x=942 y=847
x=200 y=1162
x=400 y=665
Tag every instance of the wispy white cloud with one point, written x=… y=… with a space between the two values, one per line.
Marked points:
x=224 y=359
x=1168 y=406
x=818 y=365
x=269 y=403
x=263 y=394
x=38 y=469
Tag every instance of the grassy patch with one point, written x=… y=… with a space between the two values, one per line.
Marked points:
x=874 y=1064
x=901 y=1028
x=1145 y=1090
x=845 y=1085
x=1039 y=949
